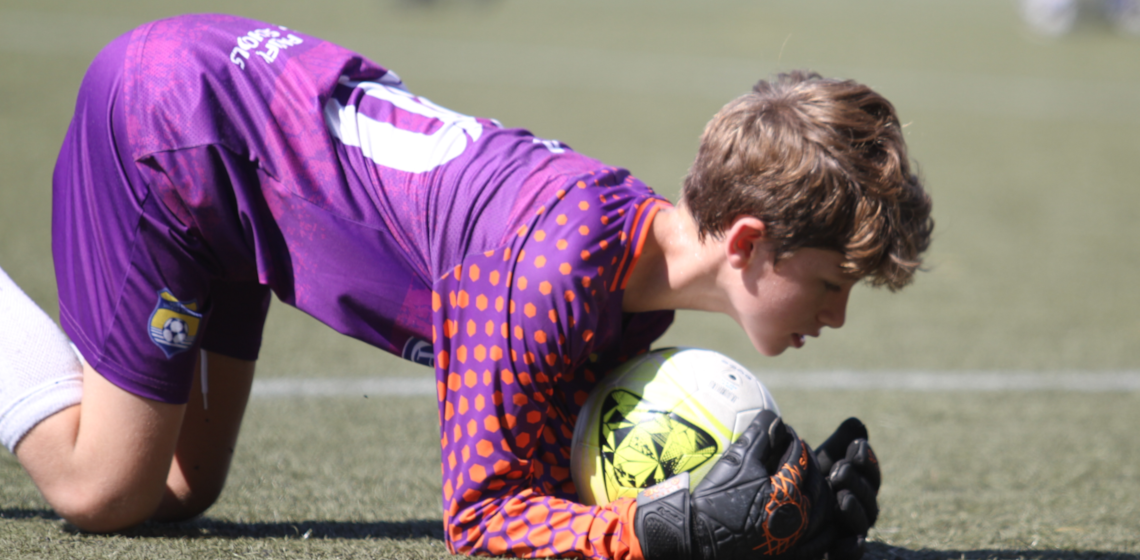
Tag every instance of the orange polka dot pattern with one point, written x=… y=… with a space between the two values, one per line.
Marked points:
x=522 y=334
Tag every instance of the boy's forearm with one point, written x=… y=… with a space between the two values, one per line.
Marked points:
x=532 y=525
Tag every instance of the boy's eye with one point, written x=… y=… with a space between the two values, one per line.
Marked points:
x=831 y=287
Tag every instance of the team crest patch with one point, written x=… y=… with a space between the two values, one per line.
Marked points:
x=174 y=324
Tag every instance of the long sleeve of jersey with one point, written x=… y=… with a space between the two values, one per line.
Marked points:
x=522 y=333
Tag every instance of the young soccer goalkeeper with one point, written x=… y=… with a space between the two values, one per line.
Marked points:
x=213 y=159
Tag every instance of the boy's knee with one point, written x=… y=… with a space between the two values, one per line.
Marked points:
x=102 y=511
x=106 y=512
x=189 y=502
x=98 y=511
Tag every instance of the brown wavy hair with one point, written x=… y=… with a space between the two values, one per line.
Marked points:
x=823 y=163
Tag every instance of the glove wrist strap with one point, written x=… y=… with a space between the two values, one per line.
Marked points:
x=663 y=520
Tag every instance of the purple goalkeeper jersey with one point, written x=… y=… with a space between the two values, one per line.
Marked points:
x=213 y=158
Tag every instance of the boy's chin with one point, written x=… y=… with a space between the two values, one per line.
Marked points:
x=770 y=349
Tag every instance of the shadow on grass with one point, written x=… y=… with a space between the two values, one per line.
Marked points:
x=879 y=551
x=207 y=527
x=21 y=513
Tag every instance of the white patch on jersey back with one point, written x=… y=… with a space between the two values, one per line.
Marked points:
x=396 y=148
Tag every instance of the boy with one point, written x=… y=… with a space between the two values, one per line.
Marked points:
x=214 y=159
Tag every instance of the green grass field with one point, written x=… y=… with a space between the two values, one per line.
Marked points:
x=1029 y=147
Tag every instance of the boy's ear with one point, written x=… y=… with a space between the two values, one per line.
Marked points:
x=743 y=239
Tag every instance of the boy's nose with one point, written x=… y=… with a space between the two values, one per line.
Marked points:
x=834 y=314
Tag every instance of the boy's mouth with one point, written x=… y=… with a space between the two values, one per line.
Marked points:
x=798 y=340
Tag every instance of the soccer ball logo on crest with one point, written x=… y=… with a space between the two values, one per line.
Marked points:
x=174 y=331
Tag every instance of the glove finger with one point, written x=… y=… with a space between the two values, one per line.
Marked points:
x=802 y=504
x=779 y=435
x=814 y=484
x=844 y=477
x=815 y=546
x=846 y=548
x=861 y=455
x=851 y=516
x=777 y=447
x=836 y=446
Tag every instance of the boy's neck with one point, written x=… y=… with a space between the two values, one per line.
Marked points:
x=676 y=270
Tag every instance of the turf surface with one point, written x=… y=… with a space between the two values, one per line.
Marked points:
x=993 y=475
x=1029 y=148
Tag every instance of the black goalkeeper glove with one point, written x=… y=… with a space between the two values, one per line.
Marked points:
x=765 y=497
x=853 y=473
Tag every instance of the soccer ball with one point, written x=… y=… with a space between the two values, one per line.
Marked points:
x=661 y=414
x=175 y=331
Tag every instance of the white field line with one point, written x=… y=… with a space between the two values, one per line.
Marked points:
x=578 y=68
x=1019 y=382
x=345 y=387
x=973 y=381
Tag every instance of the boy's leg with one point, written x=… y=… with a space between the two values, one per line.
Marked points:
x=107 y=464
x=102 y=465
x=212 y=420
x=208 y=438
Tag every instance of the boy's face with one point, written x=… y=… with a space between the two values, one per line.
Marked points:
x=781 y=302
